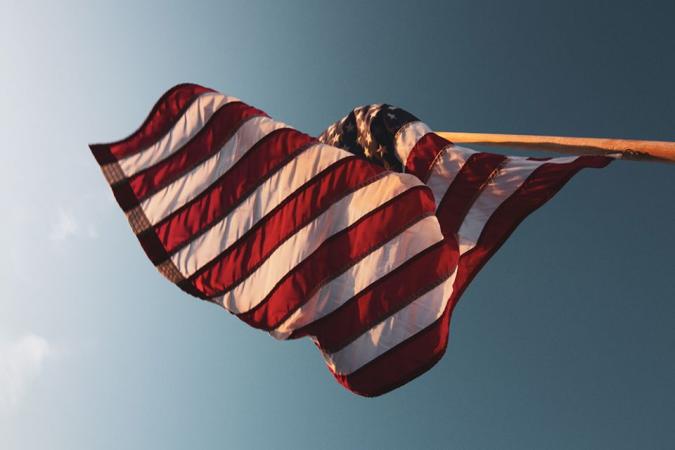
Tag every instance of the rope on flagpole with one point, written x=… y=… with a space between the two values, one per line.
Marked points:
x=660 y=151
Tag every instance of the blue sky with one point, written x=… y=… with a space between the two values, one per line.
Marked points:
x=564 y=340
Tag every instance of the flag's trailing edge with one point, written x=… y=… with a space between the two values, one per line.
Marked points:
x=327 y=237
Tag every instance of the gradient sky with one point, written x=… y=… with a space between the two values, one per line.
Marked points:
x=564 y=341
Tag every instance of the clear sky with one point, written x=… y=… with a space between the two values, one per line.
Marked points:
x=565 y=339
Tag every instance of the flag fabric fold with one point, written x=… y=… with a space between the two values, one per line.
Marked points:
x=362 y=239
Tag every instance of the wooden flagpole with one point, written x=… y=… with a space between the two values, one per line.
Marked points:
x=661 y=151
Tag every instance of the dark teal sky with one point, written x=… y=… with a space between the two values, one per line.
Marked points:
x=564 y=341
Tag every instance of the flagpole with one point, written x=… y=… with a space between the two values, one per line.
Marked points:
x=638 y=150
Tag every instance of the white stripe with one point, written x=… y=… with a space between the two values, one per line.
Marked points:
x=376 y=265
x=449 y=164
x=170 y=198
x=266 y=197
x=295 y=249
x=188 y=125
x=384 y=336
x=407 y=137
x=509 y=179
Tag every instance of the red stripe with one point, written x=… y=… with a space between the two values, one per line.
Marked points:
x=256 y=166
x=124 y=195
x=537 y=189
x=300 y=208
x=210 y=139
x=423 y=154
x=338 y=253
x=161 y=119
x=385 y=297
x=464 y=189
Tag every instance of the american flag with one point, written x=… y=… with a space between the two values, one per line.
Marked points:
x=362 y=239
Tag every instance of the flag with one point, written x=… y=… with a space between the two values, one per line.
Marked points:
x=362 y=239
x=480 y=197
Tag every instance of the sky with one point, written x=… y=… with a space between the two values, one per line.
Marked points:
x=564 y=340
